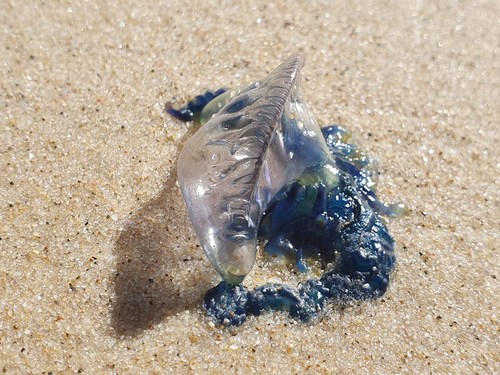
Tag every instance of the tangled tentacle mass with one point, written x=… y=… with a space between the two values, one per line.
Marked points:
x=306 y=193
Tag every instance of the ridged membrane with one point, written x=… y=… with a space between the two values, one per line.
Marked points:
x=229 y=171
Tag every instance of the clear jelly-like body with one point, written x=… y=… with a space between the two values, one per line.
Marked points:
x=261 y=167
x=230 y=170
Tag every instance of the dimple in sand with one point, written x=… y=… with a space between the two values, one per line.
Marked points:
x=260 y=168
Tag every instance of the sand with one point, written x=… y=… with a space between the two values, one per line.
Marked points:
x=100 y=271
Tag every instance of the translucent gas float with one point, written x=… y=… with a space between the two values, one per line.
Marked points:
x=261 y=166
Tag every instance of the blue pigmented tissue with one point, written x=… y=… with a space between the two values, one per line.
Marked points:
x=194 y=107
x=260 y=169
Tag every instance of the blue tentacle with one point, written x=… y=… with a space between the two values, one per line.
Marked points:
x=194 y=107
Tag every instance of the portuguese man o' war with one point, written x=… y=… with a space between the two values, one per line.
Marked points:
x=260 y=167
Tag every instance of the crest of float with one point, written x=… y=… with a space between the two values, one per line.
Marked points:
x=264 y=137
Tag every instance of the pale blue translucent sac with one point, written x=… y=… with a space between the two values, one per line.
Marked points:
x=263 y=138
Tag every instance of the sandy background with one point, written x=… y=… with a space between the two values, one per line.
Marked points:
x=100 y=271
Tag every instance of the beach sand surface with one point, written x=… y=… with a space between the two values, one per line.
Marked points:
x=100 y=271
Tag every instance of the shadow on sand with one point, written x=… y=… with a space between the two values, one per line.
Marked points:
x=159 y=271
